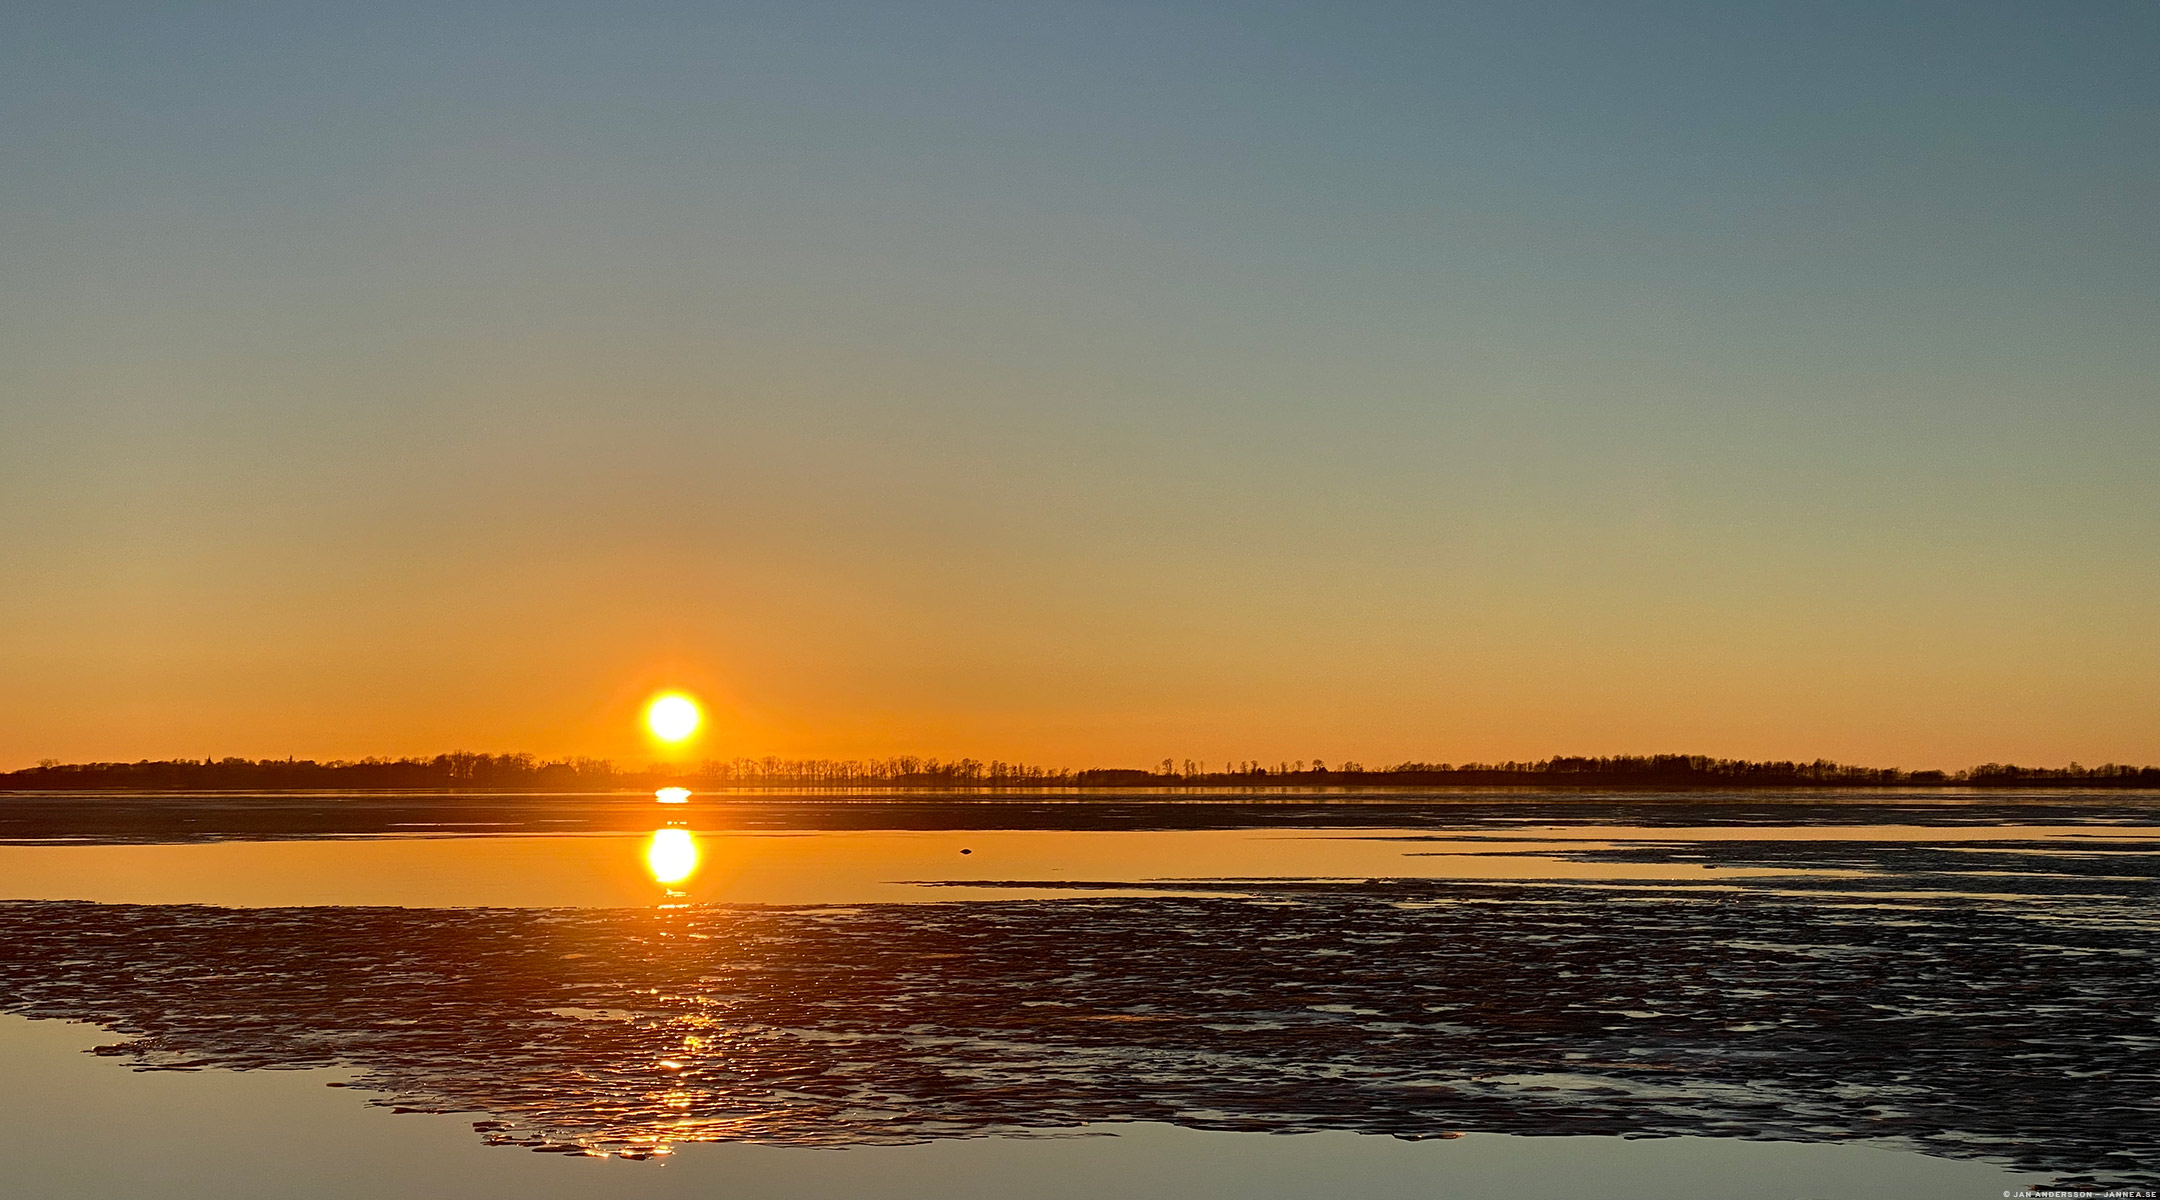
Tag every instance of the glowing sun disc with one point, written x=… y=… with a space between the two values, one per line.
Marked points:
x=672 y=717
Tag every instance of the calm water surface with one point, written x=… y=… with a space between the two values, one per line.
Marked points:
x=735 y=866
x=799 y=998
x=845 y=867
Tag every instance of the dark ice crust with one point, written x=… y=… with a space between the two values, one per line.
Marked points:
x=2010 y=1018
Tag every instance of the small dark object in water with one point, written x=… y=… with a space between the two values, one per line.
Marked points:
x=965 y=850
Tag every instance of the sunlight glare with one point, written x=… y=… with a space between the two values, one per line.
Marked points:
x=671 y=856
x=672 y=717
x=673 y=795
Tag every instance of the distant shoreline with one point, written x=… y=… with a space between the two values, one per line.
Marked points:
x=525 y=773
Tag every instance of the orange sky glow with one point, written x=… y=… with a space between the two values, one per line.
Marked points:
x=1415 y=385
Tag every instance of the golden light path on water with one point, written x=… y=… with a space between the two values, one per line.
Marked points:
x=671 y=856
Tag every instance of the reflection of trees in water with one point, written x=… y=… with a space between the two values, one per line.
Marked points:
x=2018 y=1030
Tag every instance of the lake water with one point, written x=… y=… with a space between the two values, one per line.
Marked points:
x=1464 y=995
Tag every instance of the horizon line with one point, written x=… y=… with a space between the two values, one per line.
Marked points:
x=525 y=771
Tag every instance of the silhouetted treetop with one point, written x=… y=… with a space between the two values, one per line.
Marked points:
x=463 y=770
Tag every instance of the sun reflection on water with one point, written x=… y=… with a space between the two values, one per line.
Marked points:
x=673 y=795
x=671 y=856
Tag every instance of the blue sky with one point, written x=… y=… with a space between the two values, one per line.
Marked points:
x=1085 y=383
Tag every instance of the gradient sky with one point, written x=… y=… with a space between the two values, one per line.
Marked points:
x=1082 y=383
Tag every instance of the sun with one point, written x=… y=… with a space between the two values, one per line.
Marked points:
x=673 y=717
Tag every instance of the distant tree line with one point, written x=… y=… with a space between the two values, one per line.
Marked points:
x=1649 y=771
x=525 y=772
x=519 y=772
